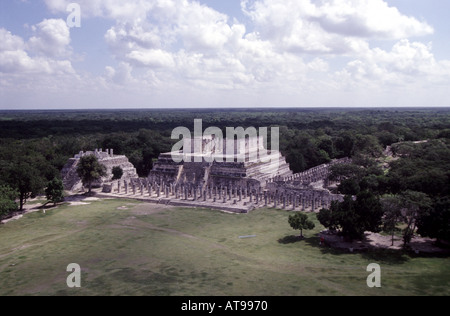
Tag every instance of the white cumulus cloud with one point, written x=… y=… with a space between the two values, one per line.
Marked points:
x=330 y=26
x=52 y=38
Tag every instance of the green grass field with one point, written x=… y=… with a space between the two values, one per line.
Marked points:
x=130 y=248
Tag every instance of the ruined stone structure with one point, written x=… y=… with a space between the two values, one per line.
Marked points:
x=306 y=191
x=243 y=164
x=197 y=180
x=70 y=177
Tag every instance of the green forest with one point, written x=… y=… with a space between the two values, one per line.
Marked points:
x=35 y=145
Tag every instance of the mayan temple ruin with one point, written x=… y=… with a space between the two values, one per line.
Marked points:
x=70 y=177
x=214 y=163
x=236 y=177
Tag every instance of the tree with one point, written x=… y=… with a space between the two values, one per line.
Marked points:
x=435 y=223
x=353 y=217
x=349 y=187
x=368 y=145
x=392 y=215
x=117 y=173
x=369 y=210
x=339 y=172
x=89 y=170
x=27 y=179
x=348 y=219
x=327 y=217
x=55 y=191
x=300 y=221
x=7 y=200
x=345 y=144
x=414 y=204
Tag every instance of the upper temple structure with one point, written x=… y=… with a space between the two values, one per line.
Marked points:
x=210 y=161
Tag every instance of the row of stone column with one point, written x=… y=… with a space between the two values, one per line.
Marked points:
x=145 y=187
x=284 y=200
x=301 y=201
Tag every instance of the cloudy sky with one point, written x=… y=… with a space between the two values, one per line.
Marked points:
x=224 y=53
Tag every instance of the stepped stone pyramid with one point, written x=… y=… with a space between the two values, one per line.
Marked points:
x=70 y=177
x=214 y=163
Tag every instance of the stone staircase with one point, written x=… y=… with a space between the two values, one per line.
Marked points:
x=69 y=175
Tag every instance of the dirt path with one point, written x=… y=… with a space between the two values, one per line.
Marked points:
x=27 y=209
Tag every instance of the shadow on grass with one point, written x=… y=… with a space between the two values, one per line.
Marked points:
x=384 y=256
x=48 y=206
x=290 y=239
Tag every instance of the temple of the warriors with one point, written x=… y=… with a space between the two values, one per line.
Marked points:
x=216 y=163
x=236 y=177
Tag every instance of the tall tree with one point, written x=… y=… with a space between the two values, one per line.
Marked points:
x=27 y=179
x=392 y=208
x=90 y=170
x=435 y=222
x=414 y=204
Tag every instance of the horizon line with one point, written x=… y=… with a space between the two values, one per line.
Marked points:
x=229 y=108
